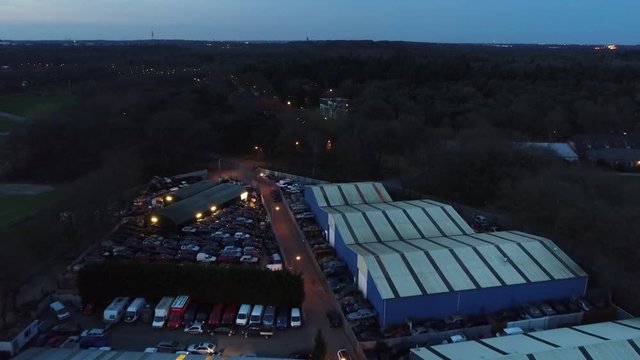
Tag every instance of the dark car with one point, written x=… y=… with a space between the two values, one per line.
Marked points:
x=343 y=354
x=251 y=330
x=168 y=346
x=282 y=320
x=89 y=342
x=302 y=354
x=334 y=318
x=66 y=329
x=190 y=314
x=203 y=313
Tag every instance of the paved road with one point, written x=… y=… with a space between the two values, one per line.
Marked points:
x=11 y=117
x=317 y=300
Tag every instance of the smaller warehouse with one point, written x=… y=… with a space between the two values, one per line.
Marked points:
x=189 y=191
x=602 y=341
x=194 y=207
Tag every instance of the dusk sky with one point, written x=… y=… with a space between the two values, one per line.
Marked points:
x=514 y=21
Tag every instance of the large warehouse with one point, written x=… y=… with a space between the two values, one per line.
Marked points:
x=602 y=341
x=420 y=259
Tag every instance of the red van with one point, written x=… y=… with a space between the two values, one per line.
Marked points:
x=230 y=313
x=216 y=315
x=177 y=310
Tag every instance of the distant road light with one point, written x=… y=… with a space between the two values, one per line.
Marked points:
x=154 y=220
x=169 y=198
x=198 y=215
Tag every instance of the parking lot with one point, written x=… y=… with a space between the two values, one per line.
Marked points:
x=138 y=336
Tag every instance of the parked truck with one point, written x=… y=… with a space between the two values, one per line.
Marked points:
x=114 y=312
x=162 y=312
x=177 y=310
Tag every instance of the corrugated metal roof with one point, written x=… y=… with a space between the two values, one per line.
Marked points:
x=399 y=220
x=608 y=340
x=443 y=264
x=193 y=189
x=349 y=193
x=186 y=210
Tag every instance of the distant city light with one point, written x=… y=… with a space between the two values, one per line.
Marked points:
x=169 y=198
x=154 y=220
x=213 y=208
x=289 y=103
x=198 y=215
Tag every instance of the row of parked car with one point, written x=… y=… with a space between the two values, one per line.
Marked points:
x=355 y=308
x=182 y=312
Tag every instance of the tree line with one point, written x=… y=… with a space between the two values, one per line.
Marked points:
x=101 y=283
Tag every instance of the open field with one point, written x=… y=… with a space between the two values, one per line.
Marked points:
x=16 y=206
x=33 y=106
x=5 y=124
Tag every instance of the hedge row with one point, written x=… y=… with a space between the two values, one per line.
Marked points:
x=102 y=282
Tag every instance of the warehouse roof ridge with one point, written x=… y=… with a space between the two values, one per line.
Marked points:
x=350 y=193
x=608 y=340
x=443 y=264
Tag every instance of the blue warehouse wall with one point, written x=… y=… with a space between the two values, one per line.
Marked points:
x=322 y=218
x=350 y=257
x=418 y=307
x=472 y=302
x=493 y=299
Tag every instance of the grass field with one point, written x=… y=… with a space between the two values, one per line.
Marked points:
x=17 y=207
x=6 y=124
x=33 y=106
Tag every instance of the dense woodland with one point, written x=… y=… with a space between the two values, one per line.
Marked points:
x=439 y=119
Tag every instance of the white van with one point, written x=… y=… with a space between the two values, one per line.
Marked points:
x=114 y=312
x=256 y=315
x=161 y=312
x=60 y=310
x=296 y=317
x=510 y=331
x=243 y=315
x=133 y=311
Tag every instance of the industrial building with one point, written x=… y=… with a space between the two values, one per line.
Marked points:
x=420 y=259
x=195 y=206
x=188 y=191
x=609 y=340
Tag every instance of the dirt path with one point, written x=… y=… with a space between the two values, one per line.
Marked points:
x=23 y=189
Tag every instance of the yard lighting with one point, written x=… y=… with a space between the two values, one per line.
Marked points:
x=244 y=196
x=199 y=215
x=154 y=219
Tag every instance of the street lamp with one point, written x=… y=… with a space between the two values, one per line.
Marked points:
x=277 y=208
x=154 y=219
x=213 y=208
x=298 y=258
x=169 y=198
x=199 y=215
x=289 y=103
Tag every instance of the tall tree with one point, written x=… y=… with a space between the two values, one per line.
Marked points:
x=319 y=347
